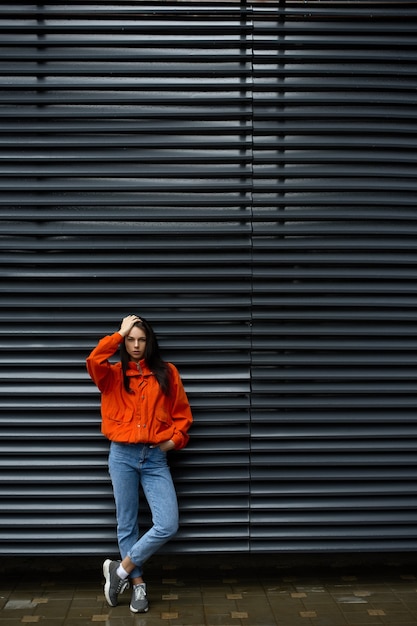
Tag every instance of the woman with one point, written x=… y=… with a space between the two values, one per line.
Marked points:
x=145 y=413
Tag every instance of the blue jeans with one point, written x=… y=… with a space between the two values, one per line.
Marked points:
x=129 y=466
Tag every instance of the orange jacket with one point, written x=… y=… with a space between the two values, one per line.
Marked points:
x=146 y=415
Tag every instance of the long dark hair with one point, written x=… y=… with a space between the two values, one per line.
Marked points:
x=152 y=357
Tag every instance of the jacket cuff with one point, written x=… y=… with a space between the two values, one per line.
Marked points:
x=178 y=440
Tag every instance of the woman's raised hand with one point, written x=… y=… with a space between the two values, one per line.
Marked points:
x=127 y=323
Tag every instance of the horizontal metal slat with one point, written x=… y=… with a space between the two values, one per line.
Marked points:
x=287 y=302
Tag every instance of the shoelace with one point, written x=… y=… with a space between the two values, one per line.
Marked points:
x=122 y=585
x=140 y=592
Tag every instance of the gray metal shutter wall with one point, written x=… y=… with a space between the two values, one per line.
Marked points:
x=243 y=174
x=333 y=420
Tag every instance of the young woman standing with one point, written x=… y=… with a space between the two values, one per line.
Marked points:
x=145 y=413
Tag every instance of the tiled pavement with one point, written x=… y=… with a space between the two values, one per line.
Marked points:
x=222 y=590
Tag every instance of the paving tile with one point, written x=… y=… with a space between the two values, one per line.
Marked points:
x=220 y=591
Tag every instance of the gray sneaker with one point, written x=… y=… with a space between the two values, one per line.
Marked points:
x=139 y=602
x=114 y=585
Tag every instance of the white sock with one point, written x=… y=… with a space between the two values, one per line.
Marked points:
x=121 y=572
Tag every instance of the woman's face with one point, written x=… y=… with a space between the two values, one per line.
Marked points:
x=135 y=343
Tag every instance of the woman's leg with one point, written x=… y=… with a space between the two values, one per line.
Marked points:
x=160 y=493
x=124 y=461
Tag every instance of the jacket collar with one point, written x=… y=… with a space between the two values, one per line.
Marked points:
x=140 y=368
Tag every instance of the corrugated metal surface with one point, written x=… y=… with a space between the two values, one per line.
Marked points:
x=243 y=174
x=333 y=432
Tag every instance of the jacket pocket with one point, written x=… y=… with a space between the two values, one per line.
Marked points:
x=163 y=421
x=121 y=417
